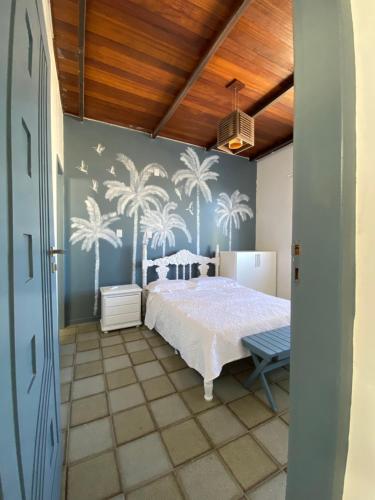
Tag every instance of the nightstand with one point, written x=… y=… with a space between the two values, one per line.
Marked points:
x=121 y=307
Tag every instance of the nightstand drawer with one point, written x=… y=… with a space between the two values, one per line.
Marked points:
x=111 y=310
x=121 y=300
x=118 y=319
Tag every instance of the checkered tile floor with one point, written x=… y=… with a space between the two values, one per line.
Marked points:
x=136 y=426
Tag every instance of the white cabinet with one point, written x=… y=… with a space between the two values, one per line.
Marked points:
x=121 y=307
x=255 y=270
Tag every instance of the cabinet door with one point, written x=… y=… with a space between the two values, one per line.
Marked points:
x=257 y=270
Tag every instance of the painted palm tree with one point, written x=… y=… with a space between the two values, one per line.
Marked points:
x=230 y=210
x=138 y=195
x=160 y=225
x=90 y=232
x=196 y=176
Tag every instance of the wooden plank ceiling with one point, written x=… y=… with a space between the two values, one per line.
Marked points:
x=127 y=61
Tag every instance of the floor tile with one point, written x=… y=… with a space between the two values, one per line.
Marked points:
x=113 y=340
x=156 y=341
x=119 y=378
x=248 y=462
x=94 y=479
x=66 y=360
x=68 y=330
x=112 y=364
x=86 y=356
x=64 y=415
x=88 y=386
x=132 y=424
x=184 y=441
x=118 y=497
x=137 y=345
x=131 y=335
x=274 y=436
x=157 y=387
x=281 y=397
x=207 y=478
x=173 y=363
x=148 y=451
x=250 y=411
x=221 y=425
x=126 y=397
x=184 y=379
x=90 y=439
x=227 y=388
x=66 y=375
x=278 y=375
x=165 y=488
x=194 y=398
x=285 y=417
x=149 y=370
x=148 y=334
x=67 y=349
x=169 y=410
x=91 y=326
x=163 y=351
x=142 y=356
x=87 y=409
x=81 y=337
x=88 y=369
x=87 y=345
x=242 y=376
x=67 y=339
x=113 y=350
x=65 y=393
x=284 y=384
x=273 y=489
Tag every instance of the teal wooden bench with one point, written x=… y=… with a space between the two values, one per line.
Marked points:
x=270 y=350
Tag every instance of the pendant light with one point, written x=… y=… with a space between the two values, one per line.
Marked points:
x=235 y=132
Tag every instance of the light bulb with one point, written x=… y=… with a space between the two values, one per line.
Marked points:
x=235 y=143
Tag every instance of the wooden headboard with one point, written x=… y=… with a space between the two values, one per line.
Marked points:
x=183 y=259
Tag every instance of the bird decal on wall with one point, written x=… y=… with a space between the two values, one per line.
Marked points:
x=112 y=171
x=94 y=185
x=99 y=148
x=190 y=208
x=83 y=167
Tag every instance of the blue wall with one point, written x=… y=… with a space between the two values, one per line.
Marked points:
x=85 y=181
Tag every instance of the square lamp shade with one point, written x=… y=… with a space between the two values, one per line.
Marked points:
x=235 y=132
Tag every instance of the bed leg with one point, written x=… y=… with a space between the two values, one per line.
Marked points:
x=208 y=389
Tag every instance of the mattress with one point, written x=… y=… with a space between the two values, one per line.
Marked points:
x=206 y=325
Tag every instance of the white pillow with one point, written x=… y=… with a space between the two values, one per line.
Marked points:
x=168 y=285
x=213 y=282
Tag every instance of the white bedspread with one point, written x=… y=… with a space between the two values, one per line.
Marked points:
x=206 y=326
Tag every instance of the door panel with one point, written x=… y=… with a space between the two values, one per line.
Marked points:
x=33 y=334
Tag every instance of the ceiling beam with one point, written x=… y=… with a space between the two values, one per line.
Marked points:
x=266 y=101
x=210 y=52
x=280 y=143
x=81 y=56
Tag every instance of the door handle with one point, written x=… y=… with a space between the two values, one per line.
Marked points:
x=56 y=251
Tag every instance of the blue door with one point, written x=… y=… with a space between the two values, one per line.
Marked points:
x=33 y=417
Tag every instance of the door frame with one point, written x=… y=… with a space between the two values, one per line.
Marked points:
x=323 y=301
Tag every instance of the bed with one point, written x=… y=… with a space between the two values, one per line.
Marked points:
x=205 y=318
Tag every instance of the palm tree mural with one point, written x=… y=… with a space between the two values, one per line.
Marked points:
x=196 y=176
x=160 y=224
x=137 y=195
x=90 y=232
x=229 y=210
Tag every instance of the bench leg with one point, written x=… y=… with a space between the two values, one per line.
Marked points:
x=208 y=390
x=268 y=392
x=259 y=367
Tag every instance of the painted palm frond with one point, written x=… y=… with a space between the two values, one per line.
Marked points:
x=137 y=196
x=161 y=223
x=231 y=210
x=90 y=231
x=196 y=176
